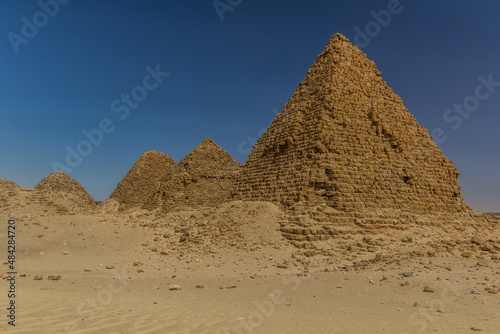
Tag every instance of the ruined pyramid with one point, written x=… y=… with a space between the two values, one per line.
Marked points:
x=62 y=190
x=204 y=177
x=346 y=141
x=141 y=180
x=8 y=186
x=8 y=191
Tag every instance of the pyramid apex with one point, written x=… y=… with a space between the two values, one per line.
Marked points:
x=207 y=141
x=153 y=155
x=56 y=178
x=140 y=180
x=207 y=149
x=339 y=37
x=206 y=144
x=340 y=43
x=60 y=173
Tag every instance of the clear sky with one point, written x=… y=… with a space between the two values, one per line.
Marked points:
x=163 y=75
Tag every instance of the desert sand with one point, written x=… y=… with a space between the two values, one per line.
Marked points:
x=117 y=271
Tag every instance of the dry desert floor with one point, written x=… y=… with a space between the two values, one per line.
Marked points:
x=124 y=274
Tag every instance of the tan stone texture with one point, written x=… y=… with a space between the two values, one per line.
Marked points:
x=205 y=177
x=141 y=180
x=62 y=190
x=346 y=140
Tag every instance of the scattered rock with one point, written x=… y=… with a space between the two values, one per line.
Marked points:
x=38 y=278
x=65 y=253
x=110 y=267
x=491 y=290
x=429 y=289
x=483 y=263
x=54 y=277
x=175 y=287
x=200 y=286
x=475 y=292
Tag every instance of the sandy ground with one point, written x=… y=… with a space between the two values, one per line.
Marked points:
x=117 y=275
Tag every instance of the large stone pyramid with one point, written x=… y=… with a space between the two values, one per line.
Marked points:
x=141 y=180
x=204 y=177
x=346 y=141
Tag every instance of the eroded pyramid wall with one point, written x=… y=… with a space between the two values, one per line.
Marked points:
x=346 y=140
x=62 y=190
x=141 y=180
x=205 y=177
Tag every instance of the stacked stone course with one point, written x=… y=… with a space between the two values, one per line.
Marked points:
x=346 y=140
x=142 y=179
x=63 y=191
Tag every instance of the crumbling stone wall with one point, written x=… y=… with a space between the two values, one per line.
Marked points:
x=205 y=177
x=346 y=140
x=141 y=180
x=62 y=190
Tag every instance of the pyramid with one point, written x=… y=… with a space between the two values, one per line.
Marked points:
x=345 y=141
x=8 y=191
x=140 y=182
x=61 y=189
x=205 y=177
x=8 y=186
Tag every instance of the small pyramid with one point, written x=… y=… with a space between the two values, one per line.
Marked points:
x=8 y=190
x=345 y=140
x=63 y=190
x=6 y=185
x=140 y=182
x=205 y=177
x=208 y=160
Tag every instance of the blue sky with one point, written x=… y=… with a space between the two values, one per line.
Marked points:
x=226 y=78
